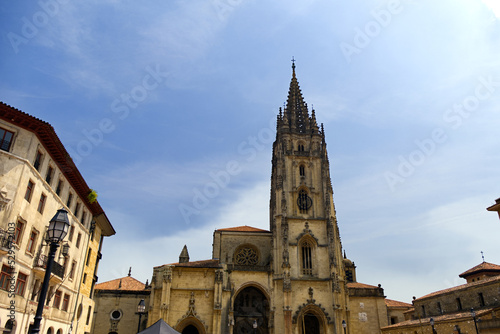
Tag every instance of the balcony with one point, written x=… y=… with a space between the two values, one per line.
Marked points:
x=40 y=264
x=5 y=243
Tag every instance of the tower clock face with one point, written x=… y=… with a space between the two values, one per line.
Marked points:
x=304 y=201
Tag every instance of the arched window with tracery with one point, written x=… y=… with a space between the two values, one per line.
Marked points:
x=306 y=250
x=302 y=170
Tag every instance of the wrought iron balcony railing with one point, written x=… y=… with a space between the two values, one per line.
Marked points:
x=40 y=261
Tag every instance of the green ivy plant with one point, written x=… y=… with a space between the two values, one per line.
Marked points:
x=92 y=196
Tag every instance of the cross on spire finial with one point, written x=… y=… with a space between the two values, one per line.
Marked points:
x=482 y=255
x=293 y=63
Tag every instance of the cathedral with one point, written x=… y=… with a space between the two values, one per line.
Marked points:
x=292 y=278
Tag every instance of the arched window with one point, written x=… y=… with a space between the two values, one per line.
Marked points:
x=302 y=170
x=50 y=330
x=306 y=249
x=10 y=327
x=301 y=147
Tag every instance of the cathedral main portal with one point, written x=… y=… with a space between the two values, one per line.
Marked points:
x=251 y=312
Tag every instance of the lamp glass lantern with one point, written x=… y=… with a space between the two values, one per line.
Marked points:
x=141 y=308
x=472 y=312
x=432 y=321
x=344 y=324
x=58 y=226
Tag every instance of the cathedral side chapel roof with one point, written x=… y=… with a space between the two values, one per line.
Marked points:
x=397 y=304
x=361 y=285
x=483 y=267
x=126 y=283
x=460 y=287
x=245 y=228
x=197 y=264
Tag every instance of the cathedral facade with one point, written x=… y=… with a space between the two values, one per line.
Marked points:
x=290 y=279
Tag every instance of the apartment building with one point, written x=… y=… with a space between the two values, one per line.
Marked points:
x=38 y=177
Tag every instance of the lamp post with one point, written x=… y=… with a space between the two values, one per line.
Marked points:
x=344 y=325
x=58 y=228
x=141 y=309
x=473 y=314
x=432 y=325
x=254 y=327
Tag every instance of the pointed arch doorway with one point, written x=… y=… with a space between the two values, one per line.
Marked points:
x=310 y=324
x=251 y=312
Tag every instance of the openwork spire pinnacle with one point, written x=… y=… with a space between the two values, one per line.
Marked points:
x=296 y=109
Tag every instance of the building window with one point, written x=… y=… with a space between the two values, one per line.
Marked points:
x=78 y=239
x=19 y=232
x=72 y=271
x=440 y=309
x=38 y=160
x=5 y=139
x=59 y=187
x=423 y=311
x=32 y=241
x=65 y=302
x=481 y=299
x=88 y=257
x=29 y=191
x=301 y=148
x=306 y=252
x=84 y=278
x=302 y=171
x=5 y=277
x=49 y=295
x=246 y=256
x=88 y=315
x=304 y=201
x=70 y=199
x=84 y=216
x=71 y=232
x=57 y=299
x=459 y=304
x=34 y=292
x=50 y=174
x=41 y=204
x=21 y=283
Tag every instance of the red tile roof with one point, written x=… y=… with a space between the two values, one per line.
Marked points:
x=361 y=286
x=245 y=228
x=396 y=304
x=126 y=283
x=438 y=318
x=483 y=267
x=196 y=264
x=460 y=287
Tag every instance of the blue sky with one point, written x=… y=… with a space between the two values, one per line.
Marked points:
x=164 y=103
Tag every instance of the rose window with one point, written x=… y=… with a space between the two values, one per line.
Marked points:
x=246 y=257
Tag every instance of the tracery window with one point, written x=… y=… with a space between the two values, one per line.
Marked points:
x=246 y=256
x=306 y=249
x=302 y=170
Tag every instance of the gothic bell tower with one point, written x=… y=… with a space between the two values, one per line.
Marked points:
x=307 y=252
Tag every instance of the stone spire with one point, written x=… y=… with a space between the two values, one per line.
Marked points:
x=295 y=114
x=296 y=109
x=184 y=257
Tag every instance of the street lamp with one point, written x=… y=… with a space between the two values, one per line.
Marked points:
x=473 y=314
x=254 y=326
x=432 y=325
x=344 y=325
x=58 y=228
x=141 y=309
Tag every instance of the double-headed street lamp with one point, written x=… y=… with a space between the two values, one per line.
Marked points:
x=58 y=228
